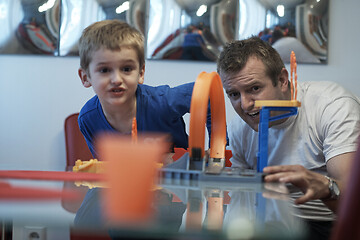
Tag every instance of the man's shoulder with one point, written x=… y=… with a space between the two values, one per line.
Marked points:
x=321 y=86
x=326 y=90
x=319 y=98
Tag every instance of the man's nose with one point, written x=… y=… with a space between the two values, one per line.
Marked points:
x=247 y=102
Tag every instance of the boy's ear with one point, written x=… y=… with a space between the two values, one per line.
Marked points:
x=142 y=75
x=84 y=78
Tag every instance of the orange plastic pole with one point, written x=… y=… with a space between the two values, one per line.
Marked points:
x=292 y=55
x=193 y=217
x=293 y=75
x=295 y=67
x=215 y=213
x=134 y=131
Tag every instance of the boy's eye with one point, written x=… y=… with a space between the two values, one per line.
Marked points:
x=127 y=69
x=104 y=70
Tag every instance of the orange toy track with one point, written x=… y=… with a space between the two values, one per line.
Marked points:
x=208 y=85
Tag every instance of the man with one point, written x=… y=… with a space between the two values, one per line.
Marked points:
x=313 y=150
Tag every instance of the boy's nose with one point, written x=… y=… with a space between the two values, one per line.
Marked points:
x=116 y=78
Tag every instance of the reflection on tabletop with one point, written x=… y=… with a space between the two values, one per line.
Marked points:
x=192 y=208
x=178 y=210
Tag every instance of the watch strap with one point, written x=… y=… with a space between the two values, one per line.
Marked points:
x=332 y=185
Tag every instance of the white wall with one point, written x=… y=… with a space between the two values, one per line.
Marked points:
x=37 y=92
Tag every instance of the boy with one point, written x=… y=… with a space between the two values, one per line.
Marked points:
x=112 y=62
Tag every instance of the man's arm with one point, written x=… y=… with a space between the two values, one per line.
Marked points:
x=312 y=184
x=339 y=168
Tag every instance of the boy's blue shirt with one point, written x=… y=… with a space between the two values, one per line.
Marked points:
x=158 y=109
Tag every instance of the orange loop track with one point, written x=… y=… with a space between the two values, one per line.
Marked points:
x=208 y=85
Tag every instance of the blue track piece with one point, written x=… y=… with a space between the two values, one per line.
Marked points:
x=178 y=172
x=262 y=156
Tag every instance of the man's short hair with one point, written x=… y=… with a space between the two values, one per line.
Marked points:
x=236 y=54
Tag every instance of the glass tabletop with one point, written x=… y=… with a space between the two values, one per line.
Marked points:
x=177 y=210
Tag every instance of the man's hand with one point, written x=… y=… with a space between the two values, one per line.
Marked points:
x=312 y=184
x=275 y=191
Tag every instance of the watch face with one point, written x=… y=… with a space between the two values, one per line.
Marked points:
x=336 y=189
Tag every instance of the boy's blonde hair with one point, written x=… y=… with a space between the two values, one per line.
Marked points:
x=111 y=34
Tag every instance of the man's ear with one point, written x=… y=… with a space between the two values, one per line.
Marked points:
x=284 y=80
x=142 y=75
x=84 y=78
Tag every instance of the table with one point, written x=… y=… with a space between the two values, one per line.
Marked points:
x=180 y=210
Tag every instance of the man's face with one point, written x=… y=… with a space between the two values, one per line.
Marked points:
x=251 y=84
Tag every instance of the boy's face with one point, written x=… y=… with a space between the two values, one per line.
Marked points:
x=114 y=76
x=251 y=84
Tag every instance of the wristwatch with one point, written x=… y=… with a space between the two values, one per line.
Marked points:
x=334 y=189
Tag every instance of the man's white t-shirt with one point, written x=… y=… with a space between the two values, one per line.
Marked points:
x=327 y=125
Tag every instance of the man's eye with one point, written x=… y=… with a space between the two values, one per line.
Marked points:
x=255 y=88
x=233 y=95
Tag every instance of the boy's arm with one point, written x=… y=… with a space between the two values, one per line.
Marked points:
x=179 y=99
x=87 y=137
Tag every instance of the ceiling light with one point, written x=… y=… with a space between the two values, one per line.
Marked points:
x=202 y=9
x=122 y=8
x=46 y=6
x=280 y=10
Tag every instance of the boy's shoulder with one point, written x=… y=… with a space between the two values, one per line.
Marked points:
x=147 y=90
x=163 y=89
x=91 y=105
